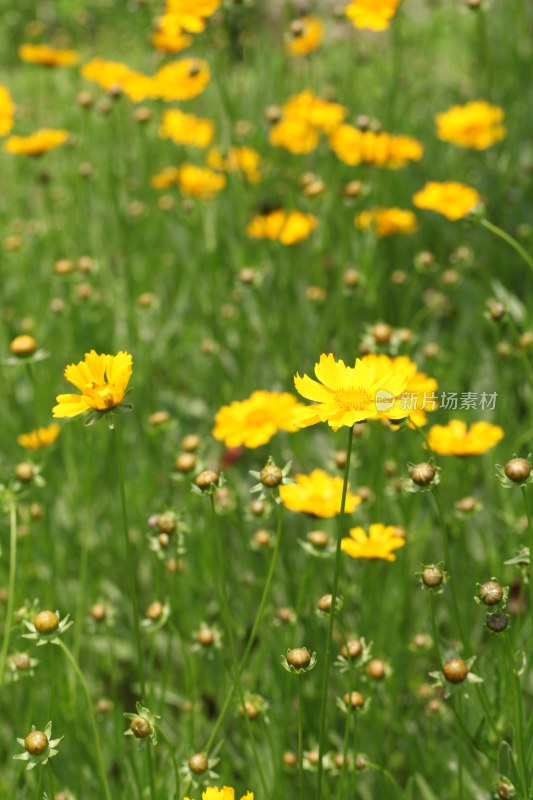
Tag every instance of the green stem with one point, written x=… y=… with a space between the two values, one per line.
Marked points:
x=39 y=784
x=510 y=241
x=51 y=781
x=447 y=556
x=94 y=725
x=388 y=776
x=518 y=718
x=300 y=740
x=434 y=628
x=324 y=698
x=129 y=562
x=173 y=758
x=460 y=746
x=530 y=542
x=11 y=587
x=151 y=777
x=255 y=628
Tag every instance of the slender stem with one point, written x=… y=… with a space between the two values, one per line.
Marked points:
x=39 y=784
x=129 y=562
x=447 y=555
x=510 y=241
x=151 y=777
x=300 y=739
x=51 y=781
x=86 y=692
x=434 y=628
x=389 y=776
x=251 y=639
x=11 y=587
x=530 y=541
x=324 y=698
x=460 y=747
x=173 y=758
x=518 y=718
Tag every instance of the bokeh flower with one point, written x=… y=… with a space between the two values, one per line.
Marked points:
x=254 y=421
x=286 y=227
x=186 y=128
x=244 y=160
x=477 y=125
x=454 y=439
x=226 y=793
x=387 y=221
x=39 y=438
x=102 y=380
x=452 y=199
x=380 y=541
x=169 y=36
x=48 y=56
x=372 y=15
x=36 y=144
x=306 y=35
x=182 y=80
x=7 y=111
x=199 y=182
x=346 y=395
x=191 y=14
x=382 y=149
x=318 y=494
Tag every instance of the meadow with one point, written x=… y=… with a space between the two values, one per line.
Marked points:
x=267 y=400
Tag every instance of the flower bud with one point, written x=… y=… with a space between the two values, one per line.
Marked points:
x=24 y=472
x=432 y=576
x=190 y=442
x=376 y=669
x=205 y=637
x=158 y=418
x=206 y=479
x=23 y=345
x=290 y=759
x=261 y=538
x=518 y=470
x=257 y=508
x=319 y=539
x=271 y=476
x=455 y=670
x=491 y=593
x=360 y=762
x=36 y=743
x=98 y=612
x=466 y=505
x=352 y=649
x=299 y=657
x=46 y=621
x=353 y=699
x=185 y=462
x=166 y=523
x=422 y=474
x=198 y=763
x=325 y=603
x=140 y=727
x=497 y=621
x=154 y=611
x=382 y=333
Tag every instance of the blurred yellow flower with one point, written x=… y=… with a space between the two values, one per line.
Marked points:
x=346 y=395
x=454 y=439
x=453 y=200
x=287 y=227
x=226 y=793
x=199 y=182
x=254 y=421
x=102 y=380
x=7 y=111
x=307 y=34
x=387 y=221
x=373 y=15
x=47 y=56
x=40 y=437
x=186 y=128
x=37 y=143
x=318 y=494
x=169 y=36
x=477 y=125
x=182 y=80
x=115 y=75
x=319 y=113
x=191 y=14
x=381 y=149
x=417 y=396
x=238 y=159
x=295 y=135
x=380 y=541
x=166 y=178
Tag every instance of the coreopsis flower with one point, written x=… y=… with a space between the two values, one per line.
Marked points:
x=102 y=380
x=114 y=74
x=47 y=56
x=318 y=494
x=37 y=143
x=454 y=439
x=418 y=395
x=380 y=542
x=372 y=15
x=453 y=200
x=346 y=395
x=295 y=135
x=476 y=125
x=7 y=111
x=166 y=178
x=186 y=129
x=199 y=182
x=38 y=746
x=39 y=438
x=226 y=793
x=320 y=113
x=286 y=227
x=306 y=35
x=254 y=421
x=191 y=14
x=169 y=36
x=182 y=80
x=354 y=147
x=387 y=221
x=239 y=159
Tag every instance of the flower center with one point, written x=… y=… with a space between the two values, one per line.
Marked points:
x=102 y=395
x=355 y=398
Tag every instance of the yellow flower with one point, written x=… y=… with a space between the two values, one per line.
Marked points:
x=239 y=159
x=417 y=395
x=102 y=380
x=166 y=178
x=288 y=228
x=254 y=421
x=186 y=128
x=319 y=113
x=346 y=395
x=48 y=56
x=295 y=135
x=381 y=149
x=318 y=494
x=199 y=182
x=191 y=14
x=41 y=437
x=114 y=74
x=306 y=36
x=7 y=110
x=37 y=143
x=374 y=15
x=454 y=439
x=182 y=80
x=477 y=125
x=387 y=221
x=379 y=543
x=453 y=200
x=169 y=36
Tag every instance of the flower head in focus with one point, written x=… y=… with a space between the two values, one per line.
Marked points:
x=102 y=381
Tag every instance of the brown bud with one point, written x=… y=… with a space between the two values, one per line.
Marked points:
x=319 y=539
x=299 y=657
x=313 y=757
x=284 y=615
x=382 y=333
x=140 y=727
x=455 y=670
x=198 y=763
x=185 y=462
x=190 y=442
x=261 y=538
x=434 y=706
x=103 y=706
x=466 y=505
x=154 y=611
x=352 y=649
x=518 y=470
x=36 y=743
x=431 y=350
x=360 y=762
x=491 y=593
x=351 y=278
x=24 y=472
x=142 y=114
x=46 y=621
x=23 y=345
x=271 y=476
x=98 y=612
x=290 y=759
x=325 y=603
x=250 y=710
x=206 y=479
x=36 y=511
x=22 y=661
x=352 y=188
x=247 y=275
x=257 y=508
x=376 y=669
x=399 y=277
x=158 y=418
x=273 y=114
x=166 y=523
x=497 y=621
x=364 y=492
x=422 y=474
x=205 y=637
x=432 y=576
x=354 y=699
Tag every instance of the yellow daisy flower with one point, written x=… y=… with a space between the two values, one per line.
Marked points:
x=254 y=421
x=47 y=56
x=317 y=494
x=186 y=128
x=477 y=125
x=102 y=380
x=387 y=221
x=40 y=437
x=453 y=200
x=373 y=15
x=7 y=111
x=307 y=34
x=37 y=143
x=380 y=541
x=454 y=439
